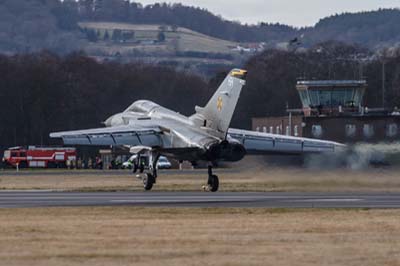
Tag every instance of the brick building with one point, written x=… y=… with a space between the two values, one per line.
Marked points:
x=334 y=110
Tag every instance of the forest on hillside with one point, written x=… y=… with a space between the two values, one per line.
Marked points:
x=33 y=25
x=43 y=92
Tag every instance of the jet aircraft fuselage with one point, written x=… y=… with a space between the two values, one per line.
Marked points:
x=147 y=127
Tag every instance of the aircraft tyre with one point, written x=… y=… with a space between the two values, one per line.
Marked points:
x=148 y=181
x=213 y=183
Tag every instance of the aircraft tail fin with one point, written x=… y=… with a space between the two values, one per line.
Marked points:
x=216 y=116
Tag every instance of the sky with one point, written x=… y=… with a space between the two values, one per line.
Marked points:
x=292 y=12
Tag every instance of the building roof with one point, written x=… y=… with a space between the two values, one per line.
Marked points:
x=332 y=83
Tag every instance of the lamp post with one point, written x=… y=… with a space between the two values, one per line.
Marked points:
x=383 y=84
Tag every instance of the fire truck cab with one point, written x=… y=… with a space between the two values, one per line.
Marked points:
x=39 y=157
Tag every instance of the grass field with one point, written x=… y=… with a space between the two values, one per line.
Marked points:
x=254 y=179
x=136 y=236
x=181 y=39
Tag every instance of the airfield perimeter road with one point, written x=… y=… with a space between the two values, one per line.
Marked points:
x=27 y=199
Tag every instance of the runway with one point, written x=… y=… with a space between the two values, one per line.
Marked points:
x=30 y=199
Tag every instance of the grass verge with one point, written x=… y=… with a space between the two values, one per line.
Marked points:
x=151 y=236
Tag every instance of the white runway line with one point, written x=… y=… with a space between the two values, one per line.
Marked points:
x=29 y=191
x=330 y=200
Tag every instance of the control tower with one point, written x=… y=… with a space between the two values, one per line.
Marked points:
x=331 y=97
x=334 y=110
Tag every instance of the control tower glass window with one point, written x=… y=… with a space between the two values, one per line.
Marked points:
x=333 y=98
x=343 y=97
x=314 y=98
x=305 y=98
x=330 y=94
x=325 y=98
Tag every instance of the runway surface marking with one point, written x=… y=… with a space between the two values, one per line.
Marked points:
x=331 y=200
x=19 y=199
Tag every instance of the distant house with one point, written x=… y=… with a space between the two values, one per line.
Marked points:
x=148 y=42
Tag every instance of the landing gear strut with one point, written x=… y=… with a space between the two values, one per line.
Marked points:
x=213 y=181
x=150 y=179
x=138 y=165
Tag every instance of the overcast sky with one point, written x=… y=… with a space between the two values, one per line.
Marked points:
x=293 y=12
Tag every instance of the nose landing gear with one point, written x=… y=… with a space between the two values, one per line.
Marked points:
x=148 y=181
x=150 y=178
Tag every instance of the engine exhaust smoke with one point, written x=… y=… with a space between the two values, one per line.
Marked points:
x=357 y=157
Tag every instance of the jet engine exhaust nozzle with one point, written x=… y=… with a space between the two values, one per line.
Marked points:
x=225 y=151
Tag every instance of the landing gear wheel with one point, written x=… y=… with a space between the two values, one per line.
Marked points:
x=148 y=181
x=213 y=183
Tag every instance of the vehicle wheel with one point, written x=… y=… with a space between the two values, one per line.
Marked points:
x=213 y=183
x=23 y=165
x=148 y=181
x=51 y=165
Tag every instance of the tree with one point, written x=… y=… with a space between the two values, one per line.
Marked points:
x=174 y=28
x=43 y=93
x=117 y=35
x=91 y=35
x=106 y=36
x=126 y=36
x=161 y=37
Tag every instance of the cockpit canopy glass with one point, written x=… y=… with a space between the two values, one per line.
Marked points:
x=141 y=107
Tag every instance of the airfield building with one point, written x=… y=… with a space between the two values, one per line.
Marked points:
x=334 y=110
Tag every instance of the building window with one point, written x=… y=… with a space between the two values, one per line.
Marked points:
x=391 y=130
x=265 y=129
x=317 y=131
x=278 y=130
x=351 y=131
x=271 y=130
x=368 y=131
x=296 y=131
x=258 y=129
x=287 y=132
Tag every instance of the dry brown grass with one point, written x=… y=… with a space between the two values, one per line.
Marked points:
x=256 y=179
x=136 y=236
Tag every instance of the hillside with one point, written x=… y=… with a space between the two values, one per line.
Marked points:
x=160 y=44
x=126 y=38
x=45 y=92
x=372 y=29
x=29 y=26
x=33 y=25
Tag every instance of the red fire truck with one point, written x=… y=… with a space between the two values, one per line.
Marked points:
x=39 y=157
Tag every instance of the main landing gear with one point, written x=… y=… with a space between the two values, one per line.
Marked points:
x=213 y=181
x=150 y=178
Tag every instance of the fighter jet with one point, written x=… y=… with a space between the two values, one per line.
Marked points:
x=153 y=131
